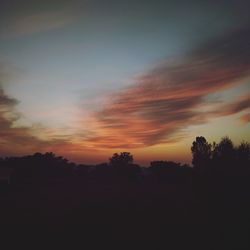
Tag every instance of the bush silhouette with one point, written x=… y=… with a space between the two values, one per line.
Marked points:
x=121 y=160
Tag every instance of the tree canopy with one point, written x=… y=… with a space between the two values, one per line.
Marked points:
x=201 y=151
x=122 y=159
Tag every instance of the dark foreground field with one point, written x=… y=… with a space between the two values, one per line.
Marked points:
x=144 y=204
x=206 y=206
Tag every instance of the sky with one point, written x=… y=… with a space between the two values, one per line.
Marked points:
x=86 y=79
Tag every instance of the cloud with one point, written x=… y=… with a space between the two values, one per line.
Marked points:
x=40 y=22
x=174 y=95
x=22 y=140
x=245 y=118
x=9 y=135
x=242 y=104
x=5 y=101
x=17 y=139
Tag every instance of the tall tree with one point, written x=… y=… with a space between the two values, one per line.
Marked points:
x=201 y=151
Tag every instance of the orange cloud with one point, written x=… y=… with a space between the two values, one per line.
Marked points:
x=245 y=118
x=172 y=96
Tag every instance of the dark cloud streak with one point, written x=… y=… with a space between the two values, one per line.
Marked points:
x=20 y=140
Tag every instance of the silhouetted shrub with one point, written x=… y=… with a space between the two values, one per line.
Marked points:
x=121 y=160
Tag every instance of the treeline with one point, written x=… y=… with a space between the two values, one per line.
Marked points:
x=38 y=168
x=209 y=160
x=220 y=158
x=31 y=168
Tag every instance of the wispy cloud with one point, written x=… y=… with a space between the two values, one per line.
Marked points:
x=40 y=22
x=241 y=104
x=173 y=96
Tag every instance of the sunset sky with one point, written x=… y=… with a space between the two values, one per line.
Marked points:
x=86 y=79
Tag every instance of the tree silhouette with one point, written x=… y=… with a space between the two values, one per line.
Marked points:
x=243 y=154
x=224 y=156
x=201 y=151
x=224 y=150
x=121 y=160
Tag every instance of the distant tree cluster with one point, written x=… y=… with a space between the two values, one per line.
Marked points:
x=222 y=156
x=37 y=167
x=121 y=160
